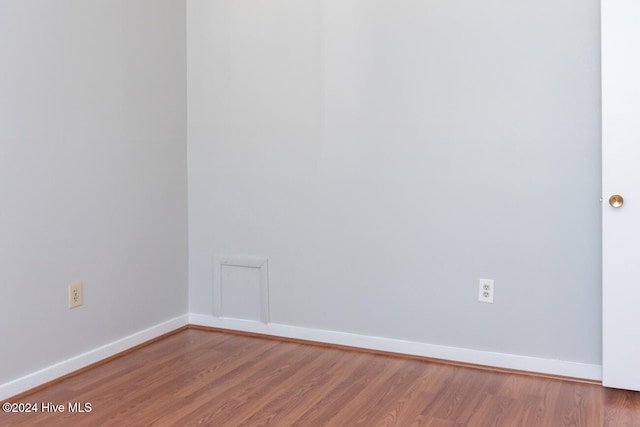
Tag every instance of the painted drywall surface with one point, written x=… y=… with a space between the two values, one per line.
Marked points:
x=92 y=173
x=386 y=155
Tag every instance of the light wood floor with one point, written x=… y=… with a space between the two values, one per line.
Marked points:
x=206 y=378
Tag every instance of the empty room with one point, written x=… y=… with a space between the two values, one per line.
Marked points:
x=319 y=212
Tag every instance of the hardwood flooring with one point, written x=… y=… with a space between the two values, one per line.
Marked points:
x=207 y=378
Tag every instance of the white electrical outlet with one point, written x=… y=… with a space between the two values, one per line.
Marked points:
x=486 y=291
x=75 y=295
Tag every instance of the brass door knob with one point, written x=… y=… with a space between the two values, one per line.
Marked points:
x=616 y=201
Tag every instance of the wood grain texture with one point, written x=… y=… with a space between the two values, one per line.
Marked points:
x=207 y=378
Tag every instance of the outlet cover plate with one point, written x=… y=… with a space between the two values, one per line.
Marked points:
x=75 y=295
x=485 y=293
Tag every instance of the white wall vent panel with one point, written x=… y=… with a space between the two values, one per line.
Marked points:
x=241 y=288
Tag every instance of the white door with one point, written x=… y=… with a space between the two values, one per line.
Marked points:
x=621 y=176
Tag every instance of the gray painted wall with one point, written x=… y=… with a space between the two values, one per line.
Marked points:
x=386 y=155
x=92 y=174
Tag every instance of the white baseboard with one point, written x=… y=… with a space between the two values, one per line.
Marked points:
x=65 y=367
x=499 y=360
x=464 y=355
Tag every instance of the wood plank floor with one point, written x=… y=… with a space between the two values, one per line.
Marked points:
x=206 y=378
